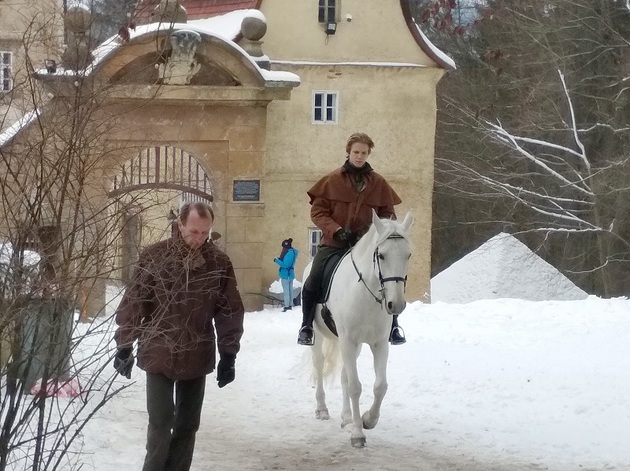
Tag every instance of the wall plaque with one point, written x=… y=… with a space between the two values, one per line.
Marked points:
x=246 y=190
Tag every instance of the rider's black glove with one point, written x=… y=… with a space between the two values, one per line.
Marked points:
x=345 y=236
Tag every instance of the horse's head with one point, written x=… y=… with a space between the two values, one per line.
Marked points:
x=392 y=251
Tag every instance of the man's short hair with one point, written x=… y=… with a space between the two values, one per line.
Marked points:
x=359 y=137
x=203 y=210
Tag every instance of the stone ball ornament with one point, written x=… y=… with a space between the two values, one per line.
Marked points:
x=253 y=28
x=78 y=19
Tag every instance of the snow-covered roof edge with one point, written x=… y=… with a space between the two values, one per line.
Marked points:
x=349 y=63
x=226 y=27
x=9 y=133
x=439 y=57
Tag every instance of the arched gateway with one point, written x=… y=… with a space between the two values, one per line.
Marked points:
x=147 y=192
x=163 y=167
x=186 y=117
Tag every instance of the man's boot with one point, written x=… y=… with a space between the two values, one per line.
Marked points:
x=397 y=335
x=309 y=304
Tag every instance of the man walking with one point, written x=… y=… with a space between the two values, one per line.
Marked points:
x=181 y=306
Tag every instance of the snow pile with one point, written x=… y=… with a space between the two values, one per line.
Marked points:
x=503 y=267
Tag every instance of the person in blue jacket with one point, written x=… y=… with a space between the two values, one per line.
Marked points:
x=286 y=260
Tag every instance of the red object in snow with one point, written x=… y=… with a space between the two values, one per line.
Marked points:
x=70 y=388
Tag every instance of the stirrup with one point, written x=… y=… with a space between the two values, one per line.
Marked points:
x=397 y=336
x=305 y=337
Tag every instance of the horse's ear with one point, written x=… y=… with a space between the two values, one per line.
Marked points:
x=377 y=222
x=406 y=224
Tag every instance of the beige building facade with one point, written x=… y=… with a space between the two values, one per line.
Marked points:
x=263 y=137
x=383 y=84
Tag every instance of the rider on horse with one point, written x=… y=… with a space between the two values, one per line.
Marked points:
x=341 y=206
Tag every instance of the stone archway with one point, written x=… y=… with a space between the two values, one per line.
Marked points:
x=191 y=87
x=148 y=190
x=163 y=167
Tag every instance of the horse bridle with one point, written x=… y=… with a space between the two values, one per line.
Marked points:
x=376 y=260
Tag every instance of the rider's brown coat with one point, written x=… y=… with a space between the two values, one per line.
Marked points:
x=336 y=203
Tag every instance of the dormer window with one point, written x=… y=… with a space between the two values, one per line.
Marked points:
x=327 y=15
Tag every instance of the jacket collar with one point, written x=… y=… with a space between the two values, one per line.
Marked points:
x=349 y=168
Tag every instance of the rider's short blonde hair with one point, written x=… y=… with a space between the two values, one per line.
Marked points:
x=359 y=137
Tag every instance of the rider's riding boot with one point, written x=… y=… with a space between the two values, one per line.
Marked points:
x=397 y=335
x=305 y=336
x=309 y=303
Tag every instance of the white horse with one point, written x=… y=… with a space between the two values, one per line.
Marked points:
x=367 y=288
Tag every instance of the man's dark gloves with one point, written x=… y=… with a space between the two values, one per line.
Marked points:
x=345 y=236
x=123 y=361
x=225 y=370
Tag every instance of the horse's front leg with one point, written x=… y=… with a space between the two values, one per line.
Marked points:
x=350 y=353
x=346 y=410
x=321 y=410
x=380 y=351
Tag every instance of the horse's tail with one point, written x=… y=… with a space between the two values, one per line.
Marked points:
x=332 y=359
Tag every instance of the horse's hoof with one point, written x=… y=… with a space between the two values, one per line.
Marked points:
x=322 y=414
x=358 y=442
x=345 y=421
x=369 y=423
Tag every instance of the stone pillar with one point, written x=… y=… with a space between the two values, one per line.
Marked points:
x=77 y=55
x=253 y=29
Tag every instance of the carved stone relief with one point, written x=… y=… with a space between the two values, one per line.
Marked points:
x=181 y=66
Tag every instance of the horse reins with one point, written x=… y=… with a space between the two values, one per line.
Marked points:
x=376 y=261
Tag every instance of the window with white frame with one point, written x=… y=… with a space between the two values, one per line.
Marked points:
x=327 y=12
x=325 y=107
x=314 y=238
x=6 y=72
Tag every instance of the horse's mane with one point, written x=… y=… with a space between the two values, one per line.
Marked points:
x=392 y=227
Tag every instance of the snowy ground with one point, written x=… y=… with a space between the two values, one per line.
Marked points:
x=504 y=385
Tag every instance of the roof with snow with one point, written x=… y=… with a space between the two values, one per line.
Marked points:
x=197 y=9
x=220 y=30
x=439 y=57
x=503 y=267
x=224 y=28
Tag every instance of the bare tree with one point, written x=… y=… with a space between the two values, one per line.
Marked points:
x=565 y=193
x=505 y=102
x=58 y=246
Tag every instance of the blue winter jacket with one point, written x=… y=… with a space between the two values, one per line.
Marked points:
x=286 y=264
